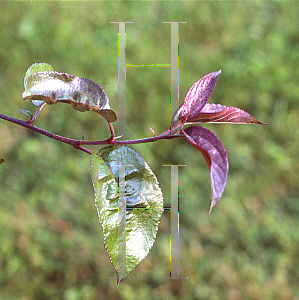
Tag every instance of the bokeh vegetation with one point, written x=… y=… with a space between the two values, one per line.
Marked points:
x=248 y=248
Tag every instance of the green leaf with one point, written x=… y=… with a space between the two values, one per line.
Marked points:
x=38 y=67
x=83 y=94
x=129 y=202
x=2 y=160
x=27 y=113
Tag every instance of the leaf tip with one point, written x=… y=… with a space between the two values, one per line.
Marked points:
x=262 y=123
x=213 y=202
x=120 y=280
x=217 y=73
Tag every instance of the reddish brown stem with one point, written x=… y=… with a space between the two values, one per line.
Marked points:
x=78 y=143
x=37 y=112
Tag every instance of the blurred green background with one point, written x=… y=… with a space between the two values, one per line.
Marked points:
x=248 y=248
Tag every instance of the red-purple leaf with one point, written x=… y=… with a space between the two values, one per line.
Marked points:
x=216 y=113
x=214 y=154
x=195 y=100
x=199 y=94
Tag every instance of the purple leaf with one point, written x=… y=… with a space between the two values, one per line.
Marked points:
x=216 y=113
x=195 y=100
x=215 y=156
x=195 y=109
x=199 y=94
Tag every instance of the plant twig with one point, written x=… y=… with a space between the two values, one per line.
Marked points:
x=78 y=143
x=37 y=112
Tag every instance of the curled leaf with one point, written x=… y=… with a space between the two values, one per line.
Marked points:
x=215 y=156
x=38 y=67
x=52 y=87
x=129 y=202
x=2 y=160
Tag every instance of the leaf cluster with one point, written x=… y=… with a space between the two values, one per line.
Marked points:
x=248 y=247
x=127 y=193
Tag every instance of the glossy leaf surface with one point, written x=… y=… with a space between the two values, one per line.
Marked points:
x=214 y=154
x=195 y=109
x=38 y=67
x=196 y=99
x=52 y=87
x=216 y=113
x=129 y=202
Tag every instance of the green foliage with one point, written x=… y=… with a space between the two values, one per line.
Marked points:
x=128 y=214
x=51 y=243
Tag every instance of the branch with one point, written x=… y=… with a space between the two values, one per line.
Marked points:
x=78 y=143
x=37 y=112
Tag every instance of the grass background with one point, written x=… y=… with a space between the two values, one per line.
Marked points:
x=248 y=248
